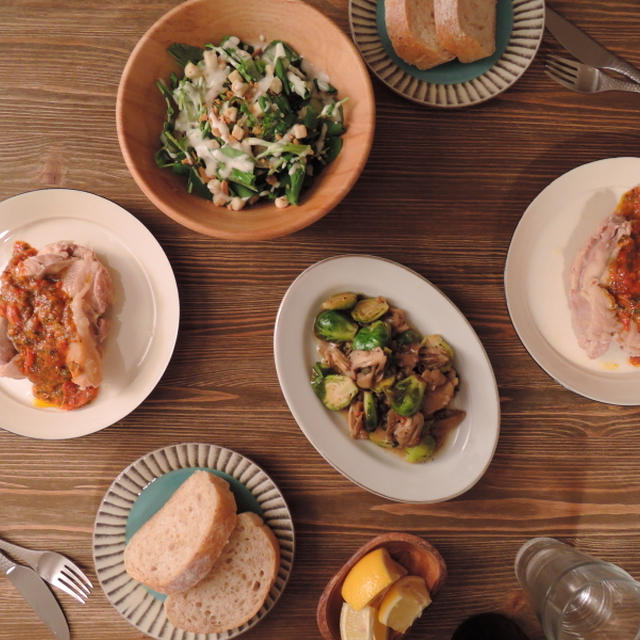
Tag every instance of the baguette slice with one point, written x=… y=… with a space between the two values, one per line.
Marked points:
x=179 y=544
x=237 y=586
x=467 y=28
x=412 y=31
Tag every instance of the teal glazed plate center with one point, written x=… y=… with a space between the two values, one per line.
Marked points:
x=157 y=492
x=453 y=72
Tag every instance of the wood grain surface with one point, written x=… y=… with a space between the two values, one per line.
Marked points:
x=441 y=193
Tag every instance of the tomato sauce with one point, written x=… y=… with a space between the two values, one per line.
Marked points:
x=623 y=280
x=41 y=327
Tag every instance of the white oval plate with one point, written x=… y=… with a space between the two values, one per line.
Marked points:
x=144 y=319
x=468 y=450
x=131 y=599
x=555 y=226
x=453 y=84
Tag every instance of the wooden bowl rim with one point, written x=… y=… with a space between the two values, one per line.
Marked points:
x=303 y=215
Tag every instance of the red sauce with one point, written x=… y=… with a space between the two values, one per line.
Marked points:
x=623 y=280
x=41 y=327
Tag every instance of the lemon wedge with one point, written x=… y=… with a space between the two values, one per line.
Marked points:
x=369 y=577
x=404 y=603
x=361 y=625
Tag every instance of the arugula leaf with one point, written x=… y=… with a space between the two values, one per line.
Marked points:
x=184 y=53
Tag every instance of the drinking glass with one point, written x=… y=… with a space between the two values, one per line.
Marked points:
x=575 y=596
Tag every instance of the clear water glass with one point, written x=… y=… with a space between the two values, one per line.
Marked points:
x=575 y=596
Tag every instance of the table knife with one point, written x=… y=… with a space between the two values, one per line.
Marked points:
x=35 y=591
x=585 y=48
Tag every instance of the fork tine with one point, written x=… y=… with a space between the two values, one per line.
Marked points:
x=74 y=581
x=75 y=570
x=566 y=62
x=568 y=73
x=70 y=589
x=565 y=83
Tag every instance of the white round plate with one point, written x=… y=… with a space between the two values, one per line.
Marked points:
x=555 y=226
x=468 y=450
x=144 y=319
x=133 y=601
x=519 y=29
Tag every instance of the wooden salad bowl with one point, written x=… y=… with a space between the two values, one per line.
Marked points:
x=141 y=110
x=415 y=554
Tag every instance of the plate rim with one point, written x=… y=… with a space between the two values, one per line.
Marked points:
x=111 y=536
x=280 y=367
x=364 y=33
x=172 y=319
x=553 y=363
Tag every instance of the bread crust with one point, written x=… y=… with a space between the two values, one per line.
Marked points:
x=404 y=19
x=453 y=36
x=154 y=544
x=237 y=586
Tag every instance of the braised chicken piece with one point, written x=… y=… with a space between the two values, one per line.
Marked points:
x=52 y=321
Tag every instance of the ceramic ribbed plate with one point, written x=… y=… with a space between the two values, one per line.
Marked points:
x=133 y=497
x=519 y=29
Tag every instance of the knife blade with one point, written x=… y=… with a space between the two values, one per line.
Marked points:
x=34 y=590
x=585 y=48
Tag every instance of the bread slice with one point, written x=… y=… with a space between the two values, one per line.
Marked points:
x=412 y=31
x=179 y=544
x=237 y=586
x=467 y=28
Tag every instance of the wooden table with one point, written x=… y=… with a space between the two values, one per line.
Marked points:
x=441 y=193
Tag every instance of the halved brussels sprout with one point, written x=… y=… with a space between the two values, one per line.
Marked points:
x=380 y=438
x=370 y=411
x=369 y=309
x=376 y=334
x=344 y=300
x=438 y=342
x=422 y=451
x=337 y=391
x=334 y=326
x=405 y=397
x=408 y=337
x=384 y=385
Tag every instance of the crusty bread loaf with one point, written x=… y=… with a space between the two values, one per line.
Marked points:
x=237 y=586
x=412 y=31
x=179 y=544
x=467 y=28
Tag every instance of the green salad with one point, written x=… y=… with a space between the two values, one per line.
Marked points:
x=248 y=123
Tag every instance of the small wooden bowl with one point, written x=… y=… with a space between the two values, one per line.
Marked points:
x=141 y=110
x=415 y=554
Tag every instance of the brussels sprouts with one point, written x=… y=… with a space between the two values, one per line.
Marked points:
x=370 y=411
x=408 y=337
x=344 y=300
x=405 y=397
x=318 y=373
x=376 y=334
x=438 y=342
x=384 y=385
x=334 y=326
x=422 y=451
x=369 y=309
x=380 y=438
x=337 y=391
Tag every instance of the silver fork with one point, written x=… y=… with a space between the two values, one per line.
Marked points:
x=584 y=78
x=55 y=568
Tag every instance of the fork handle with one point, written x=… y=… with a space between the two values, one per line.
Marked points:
x=625 y=69
x=22 y=554
x=617 y=84
x=5 y=564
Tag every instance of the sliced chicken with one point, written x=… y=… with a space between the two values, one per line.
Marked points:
x=406 y=431
x=368 y=366
x=593 y=308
